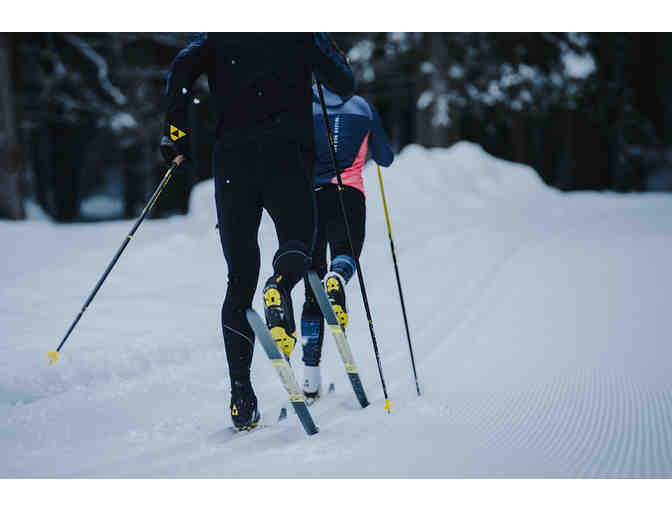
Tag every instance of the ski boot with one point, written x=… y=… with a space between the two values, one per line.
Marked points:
x=280 y=314
x=335 y=286
x=312 y=383
x=244 y=412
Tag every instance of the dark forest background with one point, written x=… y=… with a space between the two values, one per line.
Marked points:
x=80 y=112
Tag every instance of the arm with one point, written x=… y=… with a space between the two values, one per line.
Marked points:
x=331 y=67
x=380 y=148
x=188 y=65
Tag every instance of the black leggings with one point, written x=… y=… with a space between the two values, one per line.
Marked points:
x=270 y=174
x=331 y=225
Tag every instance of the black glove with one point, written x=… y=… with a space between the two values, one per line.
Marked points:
x=168 y=149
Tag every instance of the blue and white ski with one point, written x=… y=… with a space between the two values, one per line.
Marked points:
x=339 y=337
x=284 y=371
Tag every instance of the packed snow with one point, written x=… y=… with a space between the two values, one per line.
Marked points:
x=539 y=320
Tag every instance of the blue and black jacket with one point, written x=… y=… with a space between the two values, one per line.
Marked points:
x=356 y=128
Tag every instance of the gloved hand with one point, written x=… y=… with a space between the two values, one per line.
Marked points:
x=168 y=149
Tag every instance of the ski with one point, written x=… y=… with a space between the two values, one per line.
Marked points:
x=339 y=337
x=309 y=401
x=284 y=370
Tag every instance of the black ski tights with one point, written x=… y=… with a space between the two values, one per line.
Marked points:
x=275 y=175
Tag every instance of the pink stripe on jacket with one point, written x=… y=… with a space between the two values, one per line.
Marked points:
x=352 y=176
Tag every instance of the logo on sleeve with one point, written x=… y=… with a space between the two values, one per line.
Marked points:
x=176 y=134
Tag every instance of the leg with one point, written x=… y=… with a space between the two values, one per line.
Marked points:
x=343 y=265
x=288 y=198
x=341 y=254
x=312 y=323
x=238 y=215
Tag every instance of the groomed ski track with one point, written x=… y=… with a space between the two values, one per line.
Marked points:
x=540 y=322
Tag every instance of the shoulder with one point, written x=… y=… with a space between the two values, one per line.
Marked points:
x=198 y=39
x=359 y=105
x=194 y=43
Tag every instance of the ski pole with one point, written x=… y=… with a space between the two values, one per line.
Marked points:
x=388 y=404
x=396 y=270
x=52 y=356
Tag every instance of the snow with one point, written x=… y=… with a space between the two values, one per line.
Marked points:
x=425 y=99
x=456 y=72
x=122 y=120
x=441 y=117
x=34 y=211
x=101 y=207
x=578 y=66
x=427 y=67
x=539 y=322
x=361 y=51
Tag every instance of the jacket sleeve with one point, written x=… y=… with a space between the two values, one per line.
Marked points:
x=331 y=67
x=189 y=64
x=380 y=148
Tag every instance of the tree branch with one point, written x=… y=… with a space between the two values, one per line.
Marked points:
x=100 y=63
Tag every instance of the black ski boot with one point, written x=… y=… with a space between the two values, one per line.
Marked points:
x=279 y=314
x=244 y=412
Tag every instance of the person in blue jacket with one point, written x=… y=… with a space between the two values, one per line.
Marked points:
x=356 y=130
x=263 y=158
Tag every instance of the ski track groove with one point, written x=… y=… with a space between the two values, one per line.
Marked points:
x=614 y=432
x=546 y=427
x=587 y=420
x=561 y=444
x=666 y=424
x=566 y=411
x=653 y=438
x=573 y=426
x=665 y=409
x=619 y=401
x=644 y=463
x=624 y=443
x=603 y=432
x=629 y=448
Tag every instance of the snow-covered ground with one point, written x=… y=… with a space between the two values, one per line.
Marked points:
x=540 y=323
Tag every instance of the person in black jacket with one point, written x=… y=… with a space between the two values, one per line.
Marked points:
x=263 y=157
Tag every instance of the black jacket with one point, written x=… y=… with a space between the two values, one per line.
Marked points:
x=261 y=83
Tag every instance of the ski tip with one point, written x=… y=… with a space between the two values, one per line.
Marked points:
x=283 y=414
x=52 y=356
x=388 y=405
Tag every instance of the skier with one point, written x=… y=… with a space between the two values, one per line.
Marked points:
x=263 y=157
x=356 y=128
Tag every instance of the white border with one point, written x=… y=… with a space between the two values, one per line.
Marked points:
x=334 y=16
x=335 y=494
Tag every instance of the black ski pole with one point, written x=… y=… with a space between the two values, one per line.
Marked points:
x=396 y=271
x=52 y=356
x=388 y=404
